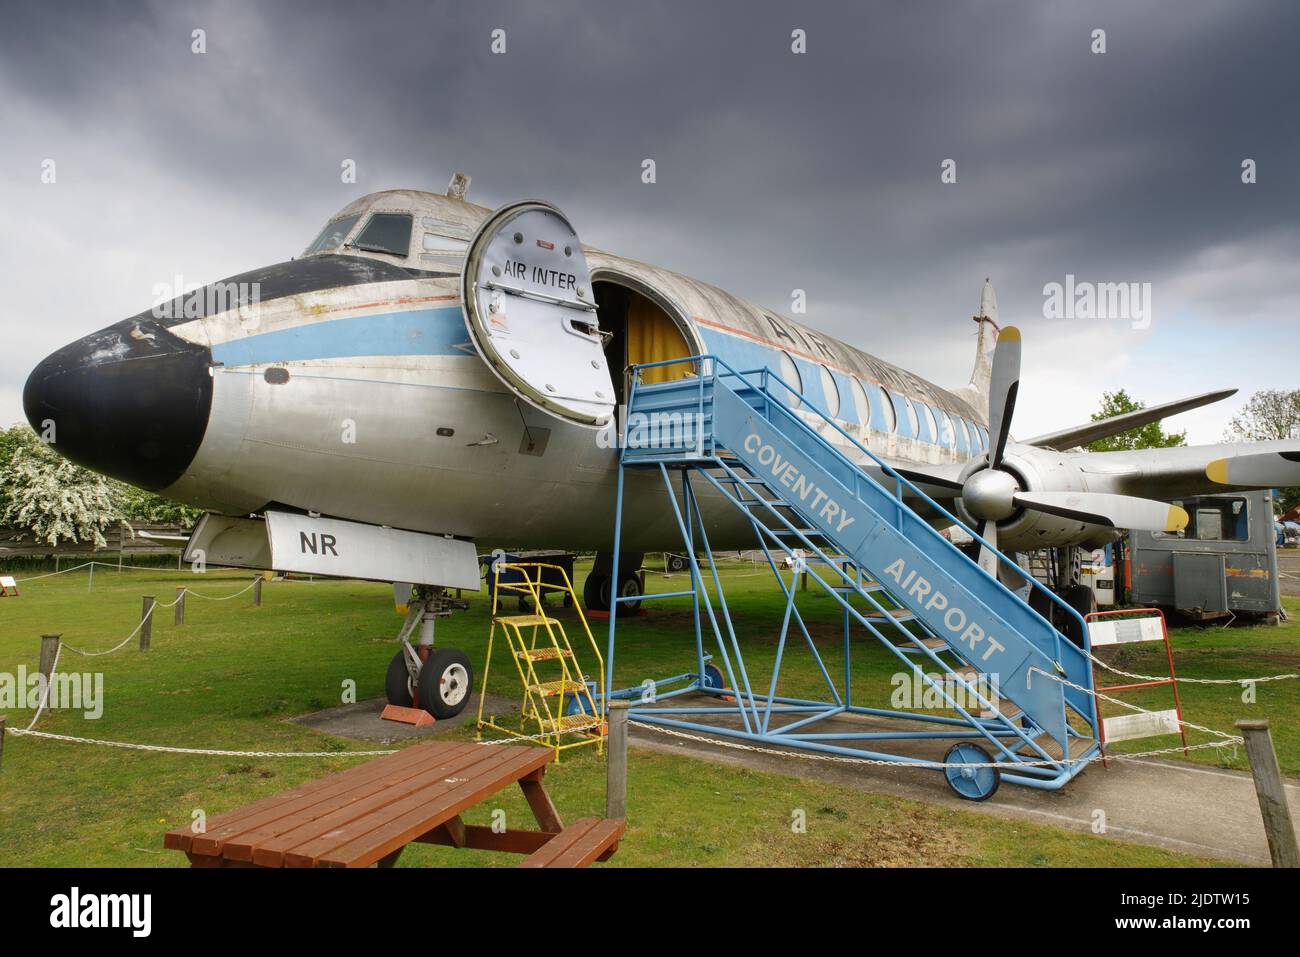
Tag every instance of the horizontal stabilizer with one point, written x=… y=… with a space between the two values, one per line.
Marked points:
x=1105 y=428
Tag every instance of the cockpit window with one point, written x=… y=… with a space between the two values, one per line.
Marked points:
x=386 y=233
x=332 y=235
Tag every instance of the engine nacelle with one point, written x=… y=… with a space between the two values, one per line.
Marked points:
x=1024 y=530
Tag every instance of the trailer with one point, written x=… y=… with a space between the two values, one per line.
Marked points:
x=1223 y=564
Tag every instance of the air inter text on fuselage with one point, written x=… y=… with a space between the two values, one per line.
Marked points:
x=540 y=275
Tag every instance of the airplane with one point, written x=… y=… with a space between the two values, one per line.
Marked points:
x=430 y=378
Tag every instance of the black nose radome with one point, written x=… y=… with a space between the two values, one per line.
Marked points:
x=130 y=401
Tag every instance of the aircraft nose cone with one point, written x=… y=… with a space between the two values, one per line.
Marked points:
x=130 y=401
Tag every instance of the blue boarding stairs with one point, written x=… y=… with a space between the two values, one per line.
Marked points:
x=1011 y=692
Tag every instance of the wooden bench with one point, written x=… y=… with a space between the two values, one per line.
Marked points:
x=367 y=815
x=579 y=844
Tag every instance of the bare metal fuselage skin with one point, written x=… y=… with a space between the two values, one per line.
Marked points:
x=354 y=391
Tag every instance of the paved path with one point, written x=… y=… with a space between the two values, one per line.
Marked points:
x=1188 y=808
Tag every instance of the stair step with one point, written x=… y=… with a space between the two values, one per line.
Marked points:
x=561 y=686
x=933 y=644
x=544 y=654
x=526 y=621
x=575 y=722
x=1006 y=708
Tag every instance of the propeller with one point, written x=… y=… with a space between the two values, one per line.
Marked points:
x=1261 y=469
x=993 y=494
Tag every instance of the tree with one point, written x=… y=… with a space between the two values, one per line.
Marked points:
x=1268 y=415
x=53 y=498
x=1150 y=436
x=141 y=506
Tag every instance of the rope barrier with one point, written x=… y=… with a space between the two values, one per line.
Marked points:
x=49 y=686
x=134 y=631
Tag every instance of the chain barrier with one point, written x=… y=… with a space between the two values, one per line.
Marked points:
x=1193 y=681
x=919 y=762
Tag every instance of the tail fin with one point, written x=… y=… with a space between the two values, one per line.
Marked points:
x=977 y=392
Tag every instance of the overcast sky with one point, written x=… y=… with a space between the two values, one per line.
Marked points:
x=775 y=171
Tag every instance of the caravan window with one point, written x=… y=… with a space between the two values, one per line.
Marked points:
x=1213 y=520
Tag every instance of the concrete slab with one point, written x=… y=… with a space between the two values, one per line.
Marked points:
x=1192 y=809
x=361 y=721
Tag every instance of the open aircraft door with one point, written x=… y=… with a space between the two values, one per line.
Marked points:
x=532 y=314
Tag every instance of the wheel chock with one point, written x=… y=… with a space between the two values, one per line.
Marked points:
x=417 y=717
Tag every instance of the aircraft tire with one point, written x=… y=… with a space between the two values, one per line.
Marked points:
x=595 y=592
x=1082 y=600
x=397 y=686
x=629 y=586
x=446 y=681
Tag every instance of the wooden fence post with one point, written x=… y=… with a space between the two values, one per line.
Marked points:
x=616 y=763
x=49 y=651
x=257 y=592
x=180 y=605
x=1271 y=791
x=146 y=623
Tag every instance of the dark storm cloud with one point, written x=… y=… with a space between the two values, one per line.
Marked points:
x=775 y=171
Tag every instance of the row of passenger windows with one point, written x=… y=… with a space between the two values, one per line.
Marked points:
x=949 y=431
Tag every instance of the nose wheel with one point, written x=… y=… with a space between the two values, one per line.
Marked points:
x=441 y=686
x=436 y=680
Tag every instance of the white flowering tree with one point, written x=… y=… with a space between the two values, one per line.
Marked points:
x=44 y=493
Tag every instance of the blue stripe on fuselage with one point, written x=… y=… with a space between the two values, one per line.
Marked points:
x=420 y=332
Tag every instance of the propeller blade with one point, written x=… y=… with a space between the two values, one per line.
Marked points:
x=988 y=560
x=1104 y=508
x=1003 y=387
x=1262 y=469
x=935 y=486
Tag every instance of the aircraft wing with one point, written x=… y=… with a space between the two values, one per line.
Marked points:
x=1194 y=469
x=1092 y=431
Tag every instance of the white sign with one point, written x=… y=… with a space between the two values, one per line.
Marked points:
x=1148 y=724
x=1125 y=630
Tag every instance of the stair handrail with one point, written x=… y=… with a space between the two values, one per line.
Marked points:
x=766 y=373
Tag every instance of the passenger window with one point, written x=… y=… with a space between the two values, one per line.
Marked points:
x=386 y=233
x=862 y=402
x=891 y=415
x=831 y=391
x=790 y=375
x=931 y=423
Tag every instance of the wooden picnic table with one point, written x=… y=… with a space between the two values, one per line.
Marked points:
x=368 y=814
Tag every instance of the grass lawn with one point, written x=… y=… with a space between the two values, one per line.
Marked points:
x=230 y=676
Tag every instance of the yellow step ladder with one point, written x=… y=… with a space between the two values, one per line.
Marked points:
x=561 y=706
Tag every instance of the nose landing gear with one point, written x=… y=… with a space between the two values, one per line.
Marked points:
x=420 y=677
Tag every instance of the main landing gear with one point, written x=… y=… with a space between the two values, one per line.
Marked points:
x=420 y=676
x=597 y=591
